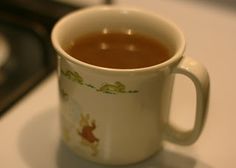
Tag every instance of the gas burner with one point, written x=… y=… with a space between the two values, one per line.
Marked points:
x=26 y=54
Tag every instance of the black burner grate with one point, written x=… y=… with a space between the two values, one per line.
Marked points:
x=26 y=25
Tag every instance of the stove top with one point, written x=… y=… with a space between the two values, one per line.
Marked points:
x=26 y=54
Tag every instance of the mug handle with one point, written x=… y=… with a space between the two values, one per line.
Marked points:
x=199 y=76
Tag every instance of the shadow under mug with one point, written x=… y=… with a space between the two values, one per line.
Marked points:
x=120 y=116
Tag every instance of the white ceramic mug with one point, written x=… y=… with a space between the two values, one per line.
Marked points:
x=120 y=116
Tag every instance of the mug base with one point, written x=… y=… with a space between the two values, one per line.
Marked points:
x=110 y=162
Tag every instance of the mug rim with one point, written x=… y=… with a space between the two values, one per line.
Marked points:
x=60 y=51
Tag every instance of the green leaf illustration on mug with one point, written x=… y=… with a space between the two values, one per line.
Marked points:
x=74 y=76
x=108 y=88
x=117 y=87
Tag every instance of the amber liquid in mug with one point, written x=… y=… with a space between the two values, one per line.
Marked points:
x=118 y=50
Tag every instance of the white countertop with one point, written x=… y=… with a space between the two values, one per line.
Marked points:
x=29 y=132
